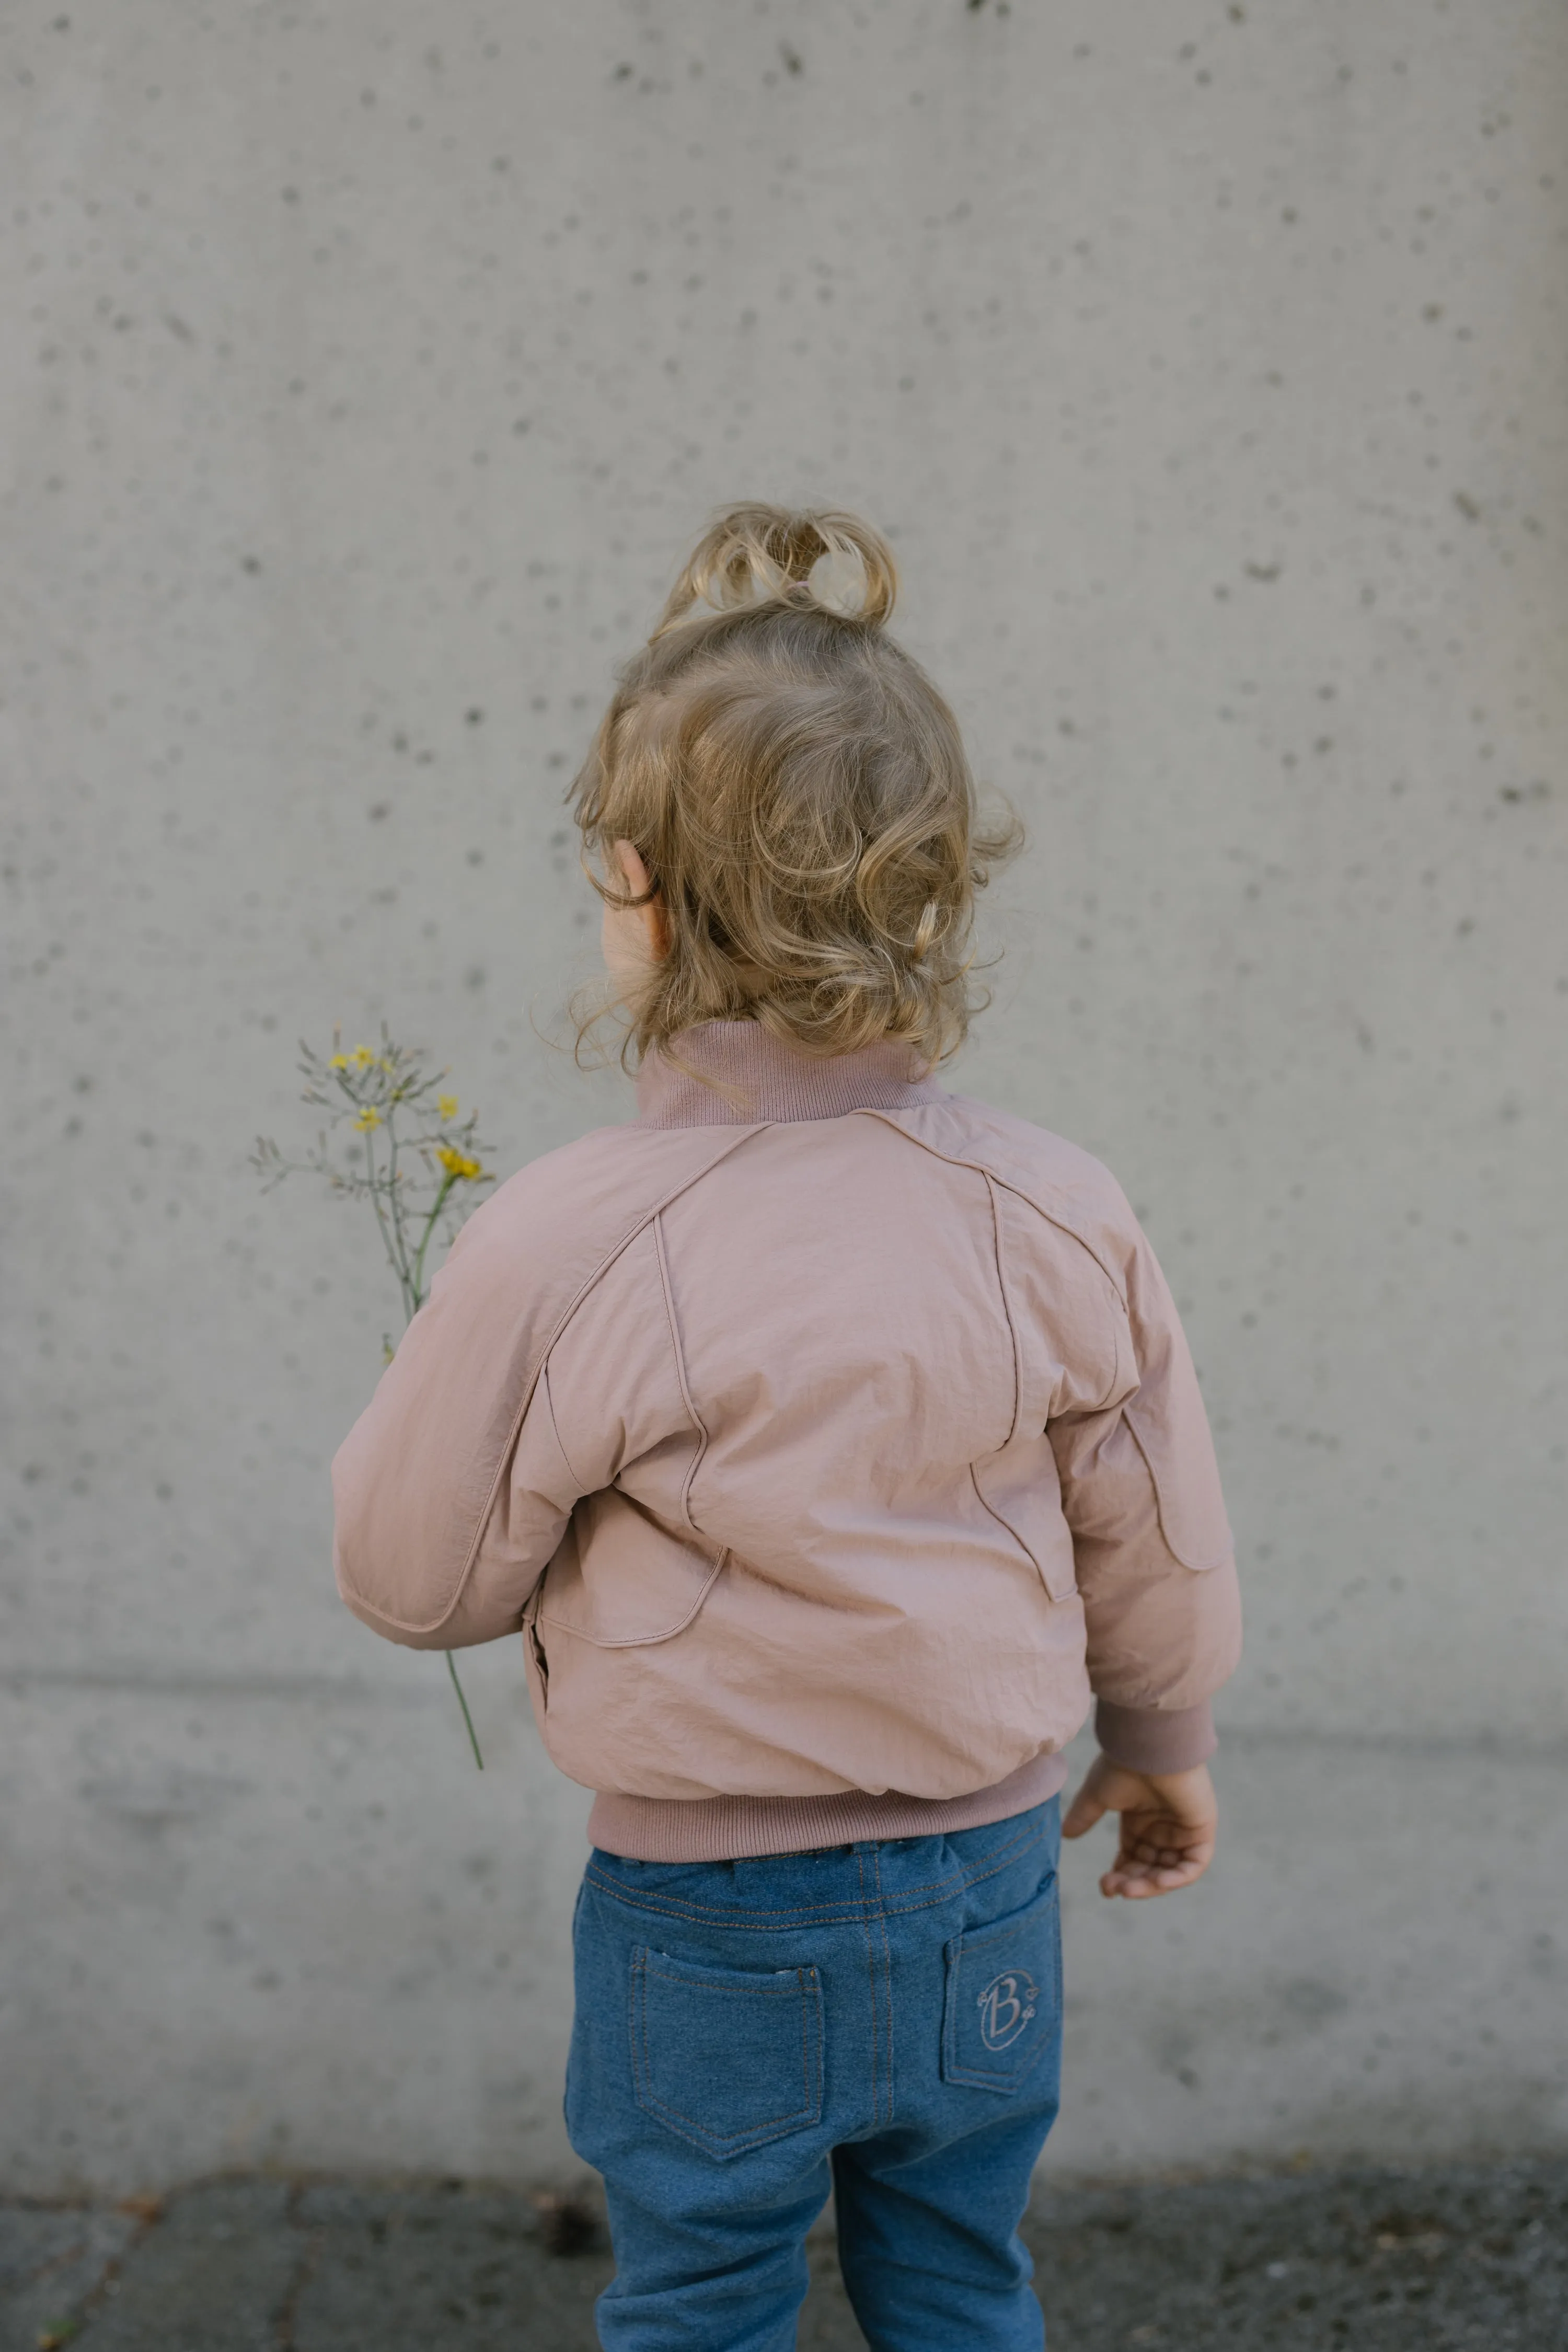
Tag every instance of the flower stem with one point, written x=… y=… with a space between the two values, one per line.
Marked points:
x=462 y=1701
x=417 y=1284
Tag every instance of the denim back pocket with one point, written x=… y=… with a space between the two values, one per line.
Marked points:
x=1002 y=2013
x=730 y=2058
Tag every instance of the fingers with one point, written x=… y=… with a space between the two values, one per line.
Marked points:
x=1136 y=1885
x=1137 y=1874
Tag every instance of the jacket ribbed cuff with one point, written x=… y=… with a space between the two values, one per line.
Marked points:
x=1155 y=1740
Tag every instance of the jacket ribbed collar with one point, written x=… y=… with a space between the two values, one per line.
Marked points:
x=737 y=1074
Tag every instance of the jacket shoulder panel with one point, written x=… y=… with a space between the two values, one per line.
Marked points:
x=1078 y=1195
x=1069 y=1186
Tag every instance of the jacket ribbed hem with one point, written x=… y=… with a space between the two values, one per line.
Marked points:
x=733 y=1829
x=1156 y=1739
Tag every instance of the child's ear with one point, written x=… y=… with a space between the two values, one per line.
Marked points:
x=655 y=920
x=634 y=872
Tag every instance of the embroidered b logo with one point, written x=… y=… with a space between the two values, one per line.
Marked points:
x=1006 y=2005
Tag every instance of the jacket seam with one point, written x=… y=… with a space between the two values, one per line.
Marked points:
x=639 y=1641
x=1116 y=1323
x=1006 y=1525
x=698 y=1423
x=1192 y=1567
x=555 y=1426
x=1007 y=1312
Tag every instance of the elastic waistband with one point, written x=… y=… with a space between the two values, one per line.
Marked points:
x=735 y=1829
x=830 y=1885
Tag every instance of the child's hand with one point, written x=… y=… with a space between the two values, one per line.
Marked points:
x=1169 y=1823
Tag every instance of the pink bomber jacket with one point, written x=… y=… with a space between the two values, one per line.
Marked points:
x=829 y=1439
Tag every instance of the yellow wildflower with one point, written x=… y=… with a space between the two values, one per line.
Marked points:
x=363 y=1058
x=339 y=1062
x=447 y=1106
x=457 y=1163
x=369 y=1117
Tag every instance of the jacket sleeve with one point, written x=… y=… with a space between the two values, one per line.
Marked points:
x=1154 y=1558
x=521 y=1537
x=451 y=1492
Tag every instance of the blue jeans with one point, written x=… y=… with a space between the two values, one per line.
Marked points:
x=883 y=2017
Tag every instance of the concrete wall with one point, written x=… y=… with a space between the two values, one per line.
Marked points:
x=369 y=367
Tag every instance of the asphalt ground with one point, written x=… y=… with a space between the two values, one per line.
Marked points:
x=1372 y=2260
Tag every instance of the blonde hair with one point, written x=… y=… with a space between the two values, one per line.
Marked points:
x=799 y=793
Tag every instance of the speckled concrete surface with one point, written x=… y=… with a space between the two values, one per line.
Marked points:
x=1455 y=2261
x=368 y=367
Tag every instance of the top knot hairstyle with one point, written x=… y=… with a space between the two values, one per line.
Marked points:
x=798 y=791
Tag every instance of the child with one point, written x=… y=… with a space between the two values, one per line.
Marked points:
x=830 y=1439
